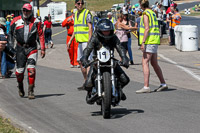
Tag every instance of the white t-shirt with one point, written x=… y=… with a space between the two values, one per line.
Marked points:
x=124 y=8
x=160 y=15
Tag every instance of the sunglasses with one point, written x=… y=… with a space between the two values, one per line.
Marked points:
x=24 y=10
x=80 y=3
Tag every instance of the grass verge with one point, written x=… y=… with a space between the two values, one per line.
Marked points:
x=6 y=127
x=97 y=5
x=191 y=14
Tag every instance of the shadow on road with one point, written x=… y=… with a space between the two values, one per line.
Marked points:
x=48 y=95
x=137 y=64
x=169 y=89
x=119 y=112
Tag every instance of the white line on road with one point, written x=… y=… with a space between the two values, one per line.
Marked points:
x=197 y=77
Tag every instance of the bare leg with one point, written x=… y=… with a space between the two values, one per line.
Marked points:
x=145 y=64
x=157 y=68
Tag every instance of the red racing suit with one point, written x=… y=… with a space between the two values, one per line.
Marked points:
x=74 y=45
x=25 y=32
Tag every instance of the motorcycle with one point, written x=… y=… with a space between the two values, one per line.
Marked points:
x=106 y=90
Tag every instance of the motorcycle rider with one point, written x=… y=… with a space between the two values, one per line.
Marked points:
x=104 y=36
x=25 y=29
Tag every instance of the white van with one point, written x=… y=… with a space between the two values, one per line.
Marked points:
x=114 y=7
x=57 y=11
x=121 y=5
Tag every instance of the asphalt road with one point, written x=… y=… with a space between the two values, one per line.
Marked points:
x=60 y=108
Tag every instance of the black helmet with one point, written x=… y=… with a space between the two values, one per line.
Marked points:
x=105 y=25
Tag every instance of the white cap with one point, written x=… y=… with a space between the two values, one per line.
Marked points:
x=93 y=13
x=109 y=13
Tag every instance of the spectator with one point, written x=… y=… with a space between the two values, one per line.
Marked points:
x=4 y=58
x=137 y=7
x=166 y=4
x=82 y=33
x=72 y=50
x=137 y=24
x=8 y=23
x=159 y=14
x=95 y=20
x=111 y=18
x=133 y=10
x=149 y=41
x=121 y=31
x=174 y=19
x=7 y=63
x=129 y=9
x=128 y=23
x=48 y=32
x=124 y=8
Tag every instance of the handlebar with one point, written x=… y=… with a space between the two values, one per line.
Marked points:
x=116 y=60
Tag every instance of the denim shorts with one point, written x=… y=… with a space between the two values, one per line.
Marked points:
x=151 y=48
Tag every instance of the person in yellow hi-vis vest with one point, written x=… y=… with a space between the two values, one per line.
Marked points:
x=149 y=41
x=82 y=33
x=111 y=18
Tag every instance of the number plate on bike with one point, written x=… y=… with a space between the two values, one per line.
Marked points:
x=103 y=54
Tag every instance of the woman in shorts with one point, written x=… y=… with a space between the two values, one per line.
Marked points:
x=149 y=41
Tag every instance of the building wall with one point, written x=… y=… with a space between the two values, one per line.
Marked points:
x=10 y=6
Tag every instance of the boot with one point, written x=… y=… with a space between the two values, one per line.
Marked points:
x=31 y=91
x=21 y=89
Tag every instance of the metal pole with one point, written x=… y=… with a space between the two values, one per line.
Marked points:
x=38 y=10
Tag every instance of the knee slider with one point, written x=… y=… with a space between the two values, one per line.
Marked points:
x=31 y=72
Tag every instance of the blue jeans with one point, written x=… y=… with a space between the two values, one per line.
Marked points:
x=129 y=49
x=48 y=33
x=5 y=65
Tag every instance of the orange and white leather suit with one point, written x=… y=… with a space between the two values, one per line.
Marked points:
x=69 y=24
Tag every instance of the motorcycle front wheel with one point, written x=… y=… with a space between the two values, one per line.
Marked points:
x=106 y=98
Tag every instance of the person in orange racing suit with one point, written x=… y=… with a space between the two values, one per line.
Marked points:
x=25 y=29
x=69 y=24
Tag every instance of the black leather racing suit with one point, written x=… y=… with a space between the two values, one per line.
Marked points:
x=25 y=32
x=95 y=44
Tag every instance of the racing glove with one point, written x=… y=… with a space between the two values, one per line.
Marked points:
x=84 y=62
x=125 y=61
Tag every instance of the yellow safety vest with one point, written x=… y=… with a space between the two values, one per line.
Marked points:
x=112 y=20
x=81 y=28
x=154 y=34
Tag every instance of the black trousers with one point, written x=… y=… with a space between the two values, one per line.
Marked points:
x=172 y=36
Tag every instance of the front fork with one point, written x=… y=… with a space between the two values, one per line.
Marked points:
x=113 y=75
x=99 y=78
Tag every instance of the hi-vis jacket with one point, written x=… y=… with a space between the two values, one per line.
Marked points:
x=176 y=20
x=81 y=28
x=154 y=35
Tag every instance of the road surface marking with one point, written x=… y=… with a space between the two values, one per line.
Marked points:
x=58 y=33
x=197 y=77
